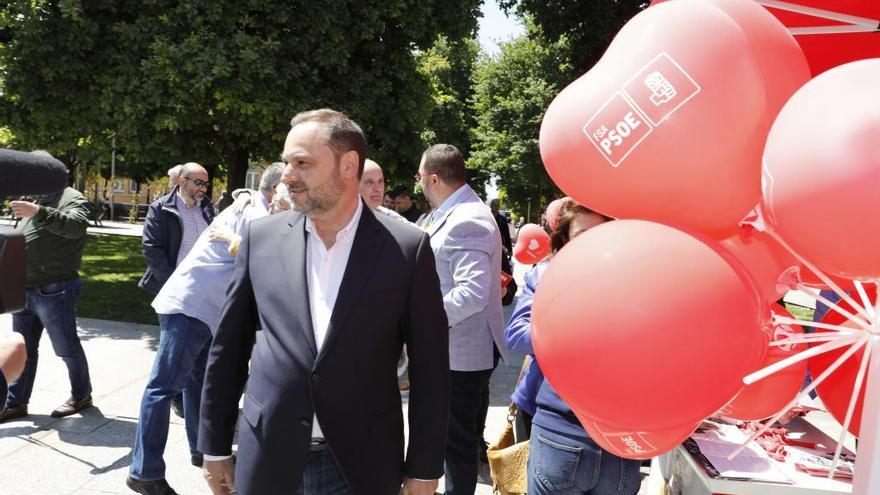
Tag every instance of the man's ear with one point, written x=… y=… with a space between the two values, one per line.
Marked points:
x=349 y=164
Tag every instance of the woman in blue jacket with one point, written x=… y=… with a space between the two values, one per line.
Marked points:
x=563 y=459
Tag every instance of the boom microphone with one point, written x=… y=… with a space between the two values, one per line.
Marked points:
x=24 y=173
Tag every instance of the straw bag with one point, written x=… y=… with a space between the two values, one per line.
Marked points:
x=508 y=460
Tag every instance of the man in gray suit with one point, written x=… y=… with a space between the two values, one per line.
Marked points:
x=467 y=249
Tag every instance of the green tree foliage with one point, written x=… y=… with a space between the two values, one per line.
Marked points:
x=217 y=81
x=448 y=66
x=587 y=25
x=511 y=94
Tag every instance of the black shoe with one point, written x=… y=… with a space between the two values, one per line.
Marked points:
x=177 y=405
x=151 y=487
x=72 y=406
x=13 y=412
x=197 y=460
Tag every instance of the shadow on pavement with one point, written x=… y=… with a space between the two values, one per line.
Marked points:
x=89 y=329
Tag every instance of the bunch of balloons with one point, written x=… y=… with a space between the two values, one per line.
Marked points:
x=733 y=177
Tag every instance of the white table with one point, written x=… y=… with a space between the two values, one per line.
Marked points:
x=688 y=477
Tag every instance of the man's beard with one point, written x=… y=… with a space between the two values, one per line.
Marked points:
x=324 y=197
x=193 y=195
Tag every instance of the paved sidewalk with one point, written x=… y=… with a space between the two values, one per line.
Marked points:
x=90 y=453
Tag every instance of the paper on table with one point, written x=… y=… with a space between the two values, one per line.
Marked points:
x=752 y=464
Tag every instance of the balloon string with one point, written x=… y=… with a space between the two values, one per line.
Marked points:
x=815 y=383
x=812 y=351
x=863 y=369
x=824 y=278
x=827 y=326
x=808 y=339
x=831 y=305
x=866 y=301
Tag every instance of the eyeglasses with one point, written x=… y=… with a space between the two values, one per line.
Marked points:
x=197 y=182
x=419 y=176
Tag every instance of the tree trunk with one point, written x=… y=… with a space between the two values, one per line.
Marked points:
x=236 y=166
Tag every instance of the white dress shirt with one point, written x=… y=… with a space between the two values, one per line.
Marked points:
x=324 y=270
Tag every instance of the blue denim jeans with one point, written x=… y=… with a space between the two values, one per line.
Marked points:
x=561 y=465
x=53 y=307
x=322 y=476
x=179 y=367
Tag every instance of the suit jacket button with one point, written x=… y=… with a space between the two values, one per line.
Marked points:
x=306 y=423
x=316 y=378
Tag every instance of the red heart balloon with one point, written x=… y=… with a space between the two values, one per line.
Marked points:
x=764 y=259
x=837 y=389
x=635 y=444
x=766 y=397
x=670 y=124
x=532 y=244
x=628 y=326
x=822 y=167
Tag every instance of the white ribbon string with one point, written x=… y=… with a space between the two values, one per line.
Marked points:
x=866 y=301
x=857 y=387
x=812 y=351
x=855 y=346
x=785 y=320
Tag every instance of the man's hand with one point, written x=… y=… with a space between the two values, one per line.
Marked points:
x=220 y=476
x=24 y=209
x=241 y=202
x=12 y=355
x=419 y=487
x=221 y=232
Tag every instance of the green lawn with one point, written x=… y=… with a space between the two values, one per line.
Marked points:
x=800 y=312
x=111 y=268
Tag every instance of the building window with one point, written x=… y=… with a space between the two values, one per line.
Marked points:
x=117 y=186
x=252 y=180
x=133 y=187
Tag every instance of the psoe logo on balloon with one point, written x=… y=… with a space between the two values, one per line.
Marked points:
x=660 y=88
x=633 y=444
x=616 y=129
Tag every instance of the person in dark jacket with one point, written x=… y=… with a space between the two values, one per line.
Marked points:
x=173 y=224
x=54 y=229
x=171 y=228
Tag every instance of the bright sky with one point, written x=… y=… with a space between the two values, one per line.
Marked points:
x=495 y=27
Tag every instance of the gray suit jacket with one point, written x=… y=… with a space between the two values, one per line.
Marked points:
x=467 y=249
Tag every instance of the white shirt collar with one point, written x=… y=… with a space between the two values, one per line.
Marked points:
x=449 y=202
x=348 y=231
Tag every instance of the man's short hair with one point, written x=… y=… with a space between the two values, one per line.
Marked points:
x=271 y=177
x=401 y=191
x=175 y=170
x=342 y=133
x=446 y=161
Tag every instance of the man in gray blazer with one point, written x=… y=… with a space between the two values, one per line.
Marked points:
x=328 y=294
x=467 y=249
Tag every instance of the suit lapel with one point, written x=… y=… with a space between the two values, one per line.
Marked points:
x=293 y=256
x=358 y=271
x=438 y=222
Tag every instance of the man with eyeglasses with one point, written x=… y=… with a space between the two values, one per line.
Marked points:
x=173 y=224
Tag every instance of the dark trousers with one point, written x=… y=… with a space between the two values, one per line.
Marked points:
x=468 y=388
x=484 y=400
x=322 y=476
